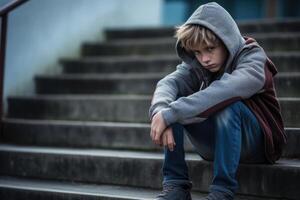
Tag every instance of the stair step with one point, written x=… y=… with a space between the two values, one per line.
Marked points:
x=21 y=188
x=130 y=47
x=284 y=61
x=133 y=168
x=97 y=84
x=269 y=26
x=107 y=135
x=126 y=108
x=264 y=26
x=287 y=84
x=78 y=134
x=118 y=108
x=159 y=46
x=137 y=33
x=134 y=83
x=122 y=64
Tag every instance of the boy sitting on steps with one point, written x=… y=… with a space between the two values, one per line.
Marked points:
x=222 y=95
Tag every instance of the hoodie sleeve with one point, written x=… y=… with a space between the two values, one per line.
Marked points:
x=247 y=79
x=179 y=83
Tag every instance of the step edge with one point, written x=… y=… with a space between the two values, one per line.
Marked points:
x=74 y=123
x=44 y=183
x=128 y=154
x=142 y=191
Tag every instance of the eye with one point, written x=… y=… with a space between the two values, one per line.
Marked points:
x=196 y=53
x=210 y=49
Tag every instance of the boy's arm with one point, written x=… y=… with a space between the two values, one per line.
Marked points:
x=247 y=79
x=178 y=83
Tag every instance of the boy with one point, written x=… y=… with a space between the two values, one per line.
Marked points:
x=223 y=96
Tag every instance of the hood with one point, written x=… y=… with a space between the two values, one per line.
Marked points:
x=219 y=21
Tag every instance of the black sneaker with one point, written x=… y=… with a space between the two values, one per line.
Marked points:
x=172 y=191
x=217 y=196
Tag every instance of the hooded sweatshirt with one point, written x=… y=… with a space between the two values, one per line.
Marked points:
x=191 y=93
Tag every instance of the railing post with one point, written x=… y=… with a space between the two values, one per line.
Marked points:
x=2 y=64
x=4 y=11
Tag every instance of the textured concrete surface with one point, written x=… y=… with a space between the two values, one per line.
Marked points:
x=284 y=61
x=105 y=135
x=267 y=26
x=127 y=108
x=16 y=188
x=133 y=168
x=134 y=83
x=270 y=42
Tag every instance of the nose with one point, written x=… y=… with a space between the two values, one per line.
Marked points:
x=205 y=58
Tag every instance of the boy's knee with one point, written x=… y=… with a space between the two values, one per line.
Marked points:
x=229 y=112
x=231 y=109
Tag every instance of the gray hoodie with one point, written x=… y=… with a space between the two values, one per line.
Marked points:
x=191 y=93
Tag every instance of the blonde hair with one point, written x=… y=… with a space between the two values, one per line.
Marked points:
x=192 y=36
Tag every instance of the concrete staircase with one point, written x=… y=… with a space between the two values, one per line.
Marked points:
x=85 y=134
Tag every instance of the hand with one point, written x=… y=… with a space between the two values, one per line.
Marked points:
x=158 y=126
x=168 y=139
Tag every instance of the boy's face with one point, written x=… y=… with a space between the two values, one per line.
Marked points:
x=211 y=57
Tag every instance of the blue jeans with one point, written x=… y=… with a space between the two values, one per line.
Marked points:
x=227 y=138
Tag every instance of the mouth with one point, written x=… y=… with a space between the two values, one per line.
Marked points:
x=210 y=66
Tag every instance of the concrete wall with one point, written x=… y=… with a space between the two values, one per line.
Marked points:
x=42 y=31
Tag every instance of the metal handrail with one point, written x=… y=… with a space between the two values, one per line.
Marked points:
x=10 y=6
x=4 y=11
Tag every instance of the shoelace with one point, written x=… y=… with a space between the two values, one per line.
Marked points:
x=166 y=190
x=215 y=196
